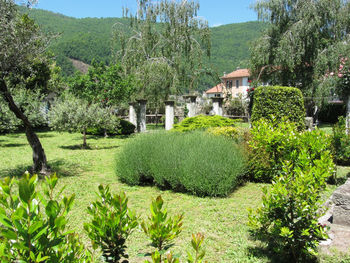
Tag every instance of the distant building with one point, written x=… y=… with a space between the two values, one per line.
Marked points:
x=236 y=82
x=233 y=84
x=215 y=92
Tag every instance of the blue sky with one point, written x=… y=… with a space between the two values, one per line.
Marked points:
x=217 y=12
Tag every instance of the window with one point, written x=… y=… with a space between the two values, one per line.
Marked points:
x=237 y=83
x=230 y=84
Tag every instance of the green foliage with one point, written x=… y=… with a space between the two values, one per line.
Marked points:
x=76 y=115
x=160 y=228
x=122 y=127
x=273 y=143
x=341 y=143
x=105 y=85
x=182 y=161
x=288 y=217
x=33 y=226
x=236 y=106
x=112 y=222
x=202 y=122
x=229 y=132
x=280 y=102
x=300 y=37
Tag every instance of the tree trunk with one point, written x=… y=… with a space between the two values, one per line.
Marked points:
x=39 y=157
x=84 y=139
x=347 y=120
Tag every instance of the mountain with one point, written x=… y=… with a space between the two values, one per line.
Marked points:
x=85 y=39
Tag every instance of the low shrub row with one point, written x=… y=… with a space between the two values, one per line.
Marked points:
x=202 y=122
x=197 y=162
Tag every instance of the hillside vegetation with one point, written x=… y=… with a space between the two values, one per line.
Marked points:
x=85 y=39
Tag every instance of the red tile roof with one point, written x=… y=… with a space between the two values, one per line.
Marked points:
x=239 y=73
x=216 y=89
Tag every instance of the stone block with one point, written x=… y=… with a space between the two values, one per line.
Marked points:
x=341 y=200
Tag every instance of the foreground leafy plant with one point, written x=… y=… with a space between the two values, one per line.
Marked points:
x=29 y=235
x=159 y=228
x=288 y=217
x=112 y=222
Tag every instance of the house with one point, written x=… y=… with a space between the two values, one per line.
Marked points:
x=236 y=82
x=215 y=92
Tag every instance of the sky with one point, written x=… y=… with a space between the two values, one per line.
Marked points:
x=217 y=12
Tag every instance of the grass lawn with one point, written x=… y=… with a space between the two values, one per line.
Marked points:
x=221 y=220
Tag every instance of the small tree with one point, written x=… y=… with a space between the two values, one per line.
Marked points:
x=77 y=115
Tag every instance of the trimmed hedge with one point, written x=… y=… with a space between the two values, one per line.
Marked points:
x=202 y=122
x=198 y=162
x=280 y=102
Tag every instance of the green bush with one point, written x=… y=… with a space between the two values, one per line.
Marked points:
x=288 y=217
x=112 y=223
x=197 y=162
x=34 y=225
x=280 y=102
x=202 y=122
x=341 y=143
x=122 y=127
x=274 y=142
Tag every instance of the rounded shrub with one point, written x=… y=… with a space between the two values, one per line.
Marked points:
x=198 y=163
x=202 y=122
x=280 y=102
x=122 y=127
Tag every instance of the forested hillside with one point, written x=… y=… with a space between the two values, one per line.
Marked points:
x=91 y=38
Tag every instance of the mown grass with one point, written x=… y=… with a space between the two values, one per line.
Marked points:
x=221 y=220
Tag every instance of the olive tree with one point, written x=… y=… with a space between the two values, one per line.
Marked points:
x=21 y=49
x=76 y=115
x=165 y=48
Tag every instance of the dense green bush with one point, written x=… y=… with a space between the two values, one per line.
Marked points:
x=199 y=163
x=202 y=122
x=280 y=102
x=122 y=127
x=288 y=217
x=274 y=142
x=341 y=143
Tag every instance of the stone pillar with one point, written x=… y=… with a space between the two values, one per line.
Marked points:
x=309 y=122
x=169 y=114
x=217 y=106
x=132 y=113
x=191 y=105
x=141 y=115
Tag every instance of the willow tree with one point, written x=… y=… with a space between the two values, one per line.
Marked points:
x=298 y=32
x=163 y=45
x=21 y=48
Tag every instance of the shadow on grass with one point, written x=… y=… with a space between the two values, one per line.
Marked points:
x=13 y=145
x=80 y=147
x=45 y=135
x=265 y=253
x=61 y=167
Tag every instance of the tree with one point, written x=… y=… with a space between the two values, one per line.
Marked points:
x=21 y=49
x=299 y=32
x=165 y=47
x=103 y=84
x=76 y=115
